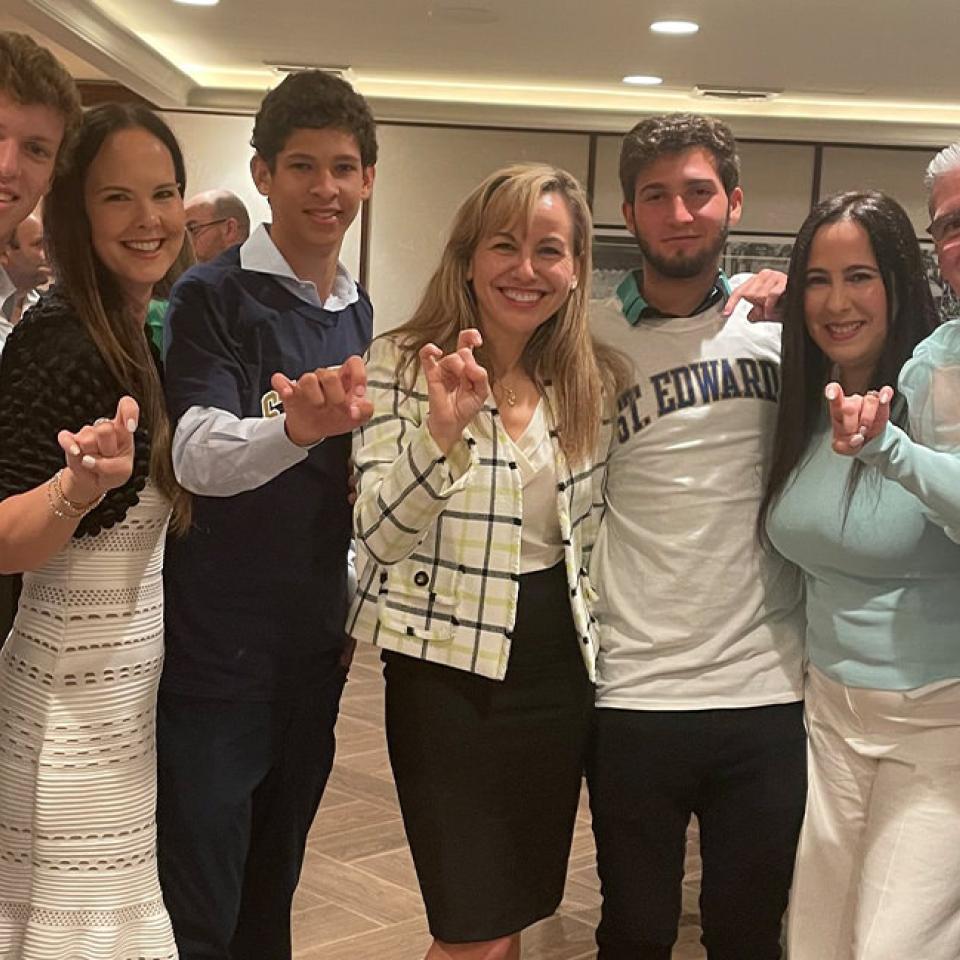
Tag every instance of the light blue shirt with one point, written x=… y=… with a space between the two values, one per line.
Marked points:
x=883 y=586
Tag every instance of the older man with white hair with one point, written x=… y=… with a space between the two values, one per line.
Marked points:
x=216 y=221
x=943 y=183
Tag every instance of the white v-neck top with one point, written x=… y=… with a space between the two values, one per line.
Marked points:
x=541 y=544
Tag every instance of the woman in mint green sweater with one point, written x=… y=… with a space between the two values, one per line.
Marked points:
x=864 y=509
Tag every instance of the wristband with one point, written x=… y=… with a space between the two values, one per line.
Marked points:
x=62 y=506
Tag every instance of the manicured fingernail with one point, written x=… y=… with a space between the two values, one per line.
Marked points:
x=856 y=440
x=132 y=425
x=88 y=461
x=831 y=392
x=862 y=431
x=74 y=451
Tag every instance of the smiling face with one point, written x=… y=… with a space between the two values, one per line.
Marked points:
x=135 y=210
x=945 y=226
x=523 y=274
x=845 y=301
x=681 y=213
x=315 y=188
x=30 y=137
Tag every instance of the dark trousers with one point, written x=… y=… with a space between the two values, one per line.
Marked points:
x=238 y=787
x=743 y=773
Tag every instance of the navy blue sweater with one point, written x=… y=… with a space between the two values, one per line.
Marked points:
x=256 y=591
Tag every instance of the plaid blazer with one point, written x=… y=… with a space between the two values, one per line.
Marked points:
x=438 y=537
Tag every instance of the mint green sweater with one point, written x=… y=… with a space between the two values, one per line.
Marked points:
x=883 y=590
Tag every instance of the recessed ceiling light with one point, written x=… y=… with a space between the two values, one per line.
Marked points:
x=639 y=80
x=677 y=28
x=198 y=3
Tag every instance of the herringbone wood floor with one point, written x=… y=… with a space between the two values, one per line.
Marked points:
x=358 y=897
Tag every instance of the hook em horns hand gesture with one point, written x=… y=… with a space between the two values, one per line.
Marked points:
x=100 y=455
x=324 y=402
x=457 y=386
x=857 y=419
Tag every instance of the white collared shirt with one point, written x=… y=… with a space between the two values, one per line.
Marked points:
x=8 y=302
x=7 y=290
x=260 y=254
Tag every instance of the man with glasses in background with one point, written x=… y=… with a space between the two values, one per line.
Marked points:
x=216 y=221
x=943 y=183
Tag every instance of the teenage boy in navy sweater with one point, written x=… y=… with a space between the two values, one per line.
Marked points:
x=265 y=384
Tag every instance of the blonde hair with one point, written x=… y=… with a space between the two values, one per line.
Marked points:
x=561 y=352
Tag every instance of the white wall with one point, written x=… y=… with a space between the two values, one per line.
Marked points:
x=425 y=172
x=896 y=172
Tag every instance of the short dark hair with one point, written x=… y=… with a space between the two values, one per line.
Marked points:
x=670 y=133
x=313 y=99
x=31 y=74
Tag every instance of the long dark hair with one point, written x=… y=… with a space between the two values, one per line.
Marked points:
x=95 y=293
x=805 y=368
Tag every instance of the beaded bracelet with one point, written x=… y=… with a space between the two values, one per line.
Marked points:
x=62 y=506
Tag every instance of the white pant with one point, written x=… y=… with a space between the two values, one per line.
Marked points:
x=878 y=866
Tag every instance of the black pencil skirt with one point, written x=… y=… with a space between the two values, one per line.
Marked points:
x=488 y=772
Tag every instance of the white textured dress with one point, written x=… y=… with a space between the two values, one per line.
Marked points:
x=78 y=684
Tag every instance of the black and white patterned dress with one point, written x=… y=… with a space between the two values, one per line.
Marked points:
x=78 y=684
x=78 y=681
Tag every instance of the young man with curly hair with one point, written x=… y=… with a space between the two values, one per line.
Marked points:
x=265 y=385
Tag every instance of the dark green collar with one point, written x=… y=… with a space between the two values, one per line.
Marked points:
x=635 y=308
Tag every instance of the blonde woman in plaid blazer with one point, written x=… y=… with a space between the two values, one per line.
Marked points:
x=481 y=473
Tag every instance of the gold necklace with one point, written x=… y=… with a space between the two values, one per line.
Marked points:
x=509 y=396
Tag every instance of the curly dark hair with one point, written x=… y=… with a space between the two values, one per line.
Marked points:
x=313 y=99
x=669 y=133
x=31 y=74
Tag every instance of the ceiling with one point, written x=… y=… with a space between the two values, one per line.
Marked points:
x=884 y=71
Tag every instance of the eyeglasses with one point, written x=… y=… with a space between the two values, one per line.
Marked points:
x=946 y=227
x=194 y=228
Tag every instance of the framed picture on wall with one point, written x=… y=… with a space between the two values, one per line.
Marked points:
x=615 y=254
x=750 y=252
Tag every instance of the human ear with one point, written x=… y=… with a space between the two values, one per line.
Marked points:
x=262 y=177
x=735 y=202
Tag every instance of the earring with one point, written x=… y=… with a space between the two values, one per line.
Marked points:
x=573 y=284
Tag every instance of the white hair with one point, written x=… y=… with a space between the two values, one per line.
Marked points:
x=946 y=161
